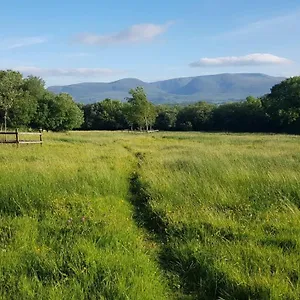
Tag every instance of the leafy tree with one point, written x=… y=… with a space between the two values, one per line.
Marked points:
x=22 y=111
x=166 y=117
x=26 y=101
x=89 y=116
x=64 y=113
x=129 y=114
x=35 y=86
x=283 y=105
x=58 y=112
x=10 y=91
x=24 y=108
x=140 y=112
x=244 y=116
x=107 y=115
x=42 y=115
x=196 y=117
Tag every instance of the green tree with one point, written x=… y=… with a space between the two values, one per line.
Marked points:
x=197 y=116
x=42 y=115
x=105 y=115
x=58 y=112
x=24 y=108
x=283 y=105
x=64 y=113
x=244 y=116
x=166 y=117
x=141 y=112
x=35 y=86
x=10 y=91
x=129 y=114
x=22 y=111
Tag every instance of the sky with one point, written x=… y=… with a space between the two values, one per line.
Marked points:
x=67 y=42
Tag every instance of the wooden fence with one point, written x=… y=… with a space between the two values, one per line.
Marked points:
x=16 y=137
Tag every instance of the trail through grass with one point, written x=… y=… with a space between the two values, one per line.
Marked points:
x=66 y=229
x=229 y=208
x=108 y=215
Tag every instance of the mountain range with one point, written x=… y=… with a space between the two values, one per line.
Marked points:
x=211 y=88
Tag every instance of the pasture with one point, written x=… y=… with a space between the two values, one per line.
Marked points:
x=117 y=215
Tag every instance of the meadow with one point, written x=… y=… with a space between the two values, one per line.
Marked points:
x=119 y=215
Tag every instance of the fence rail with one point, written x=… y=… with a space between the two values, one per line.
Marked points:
x=17 y=140
x=7 y=132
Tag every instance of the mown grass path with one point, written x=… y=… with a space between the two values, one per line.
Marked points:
x=155 y=227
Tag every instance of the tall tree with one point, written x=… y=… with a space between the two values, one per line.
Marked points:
x=283 y=105
x=105 y=115
x=58 y=112
x=166 y=117
x=141 y=112
x=10 y=91
x=24 y=108
x=197 y=116
x=35 y=86
x=22 y=111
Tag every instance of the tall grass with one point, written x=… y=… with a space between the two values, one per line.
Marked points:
x=104 y=215
x=230 y=208
x=66 y=228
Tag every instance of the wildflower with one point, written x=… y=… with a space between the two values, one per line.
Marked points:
x=70 y=220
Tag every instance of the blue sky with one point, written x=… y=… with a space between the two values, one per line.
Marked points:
x=74 y=41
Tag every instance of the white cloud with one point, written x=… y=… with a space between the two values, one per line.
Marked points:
x=255 y=59
x=133 y=34
x=12 y=43
x=73 y=72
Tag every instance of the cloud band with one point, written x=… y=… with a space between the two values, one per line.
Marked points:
x=247 y=60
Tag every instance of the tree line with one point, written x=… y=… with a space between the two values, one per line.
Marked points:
x=26 y=102
x=278 y=112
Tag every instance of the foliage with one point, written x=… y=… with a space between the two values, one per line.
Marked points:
x=141 y=112
x=264 y=114
x=23 y=110
x=35 y=86
x=59 y=112
x=283 y=105
x=108 y=114
x=246 y=116
x=197 y=116
x=26 y=102
x=10 y=90
x=166 y=117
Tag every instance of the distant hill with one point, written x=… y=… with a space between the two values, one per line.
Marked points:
x=211 y=88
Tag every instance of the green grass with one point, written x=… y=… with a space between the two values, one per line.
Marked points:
x=104 y=215
x=66 y=229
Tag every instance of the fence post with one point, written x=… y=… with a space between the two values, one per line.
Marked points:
x=41 y=136
x=5 y=121
x=17 y=136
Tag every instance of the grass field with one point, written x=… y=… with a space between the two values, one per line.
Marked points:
x=112 y=215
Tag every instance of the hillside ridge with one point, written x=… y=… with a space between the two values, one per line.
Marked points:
x=212 y=88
